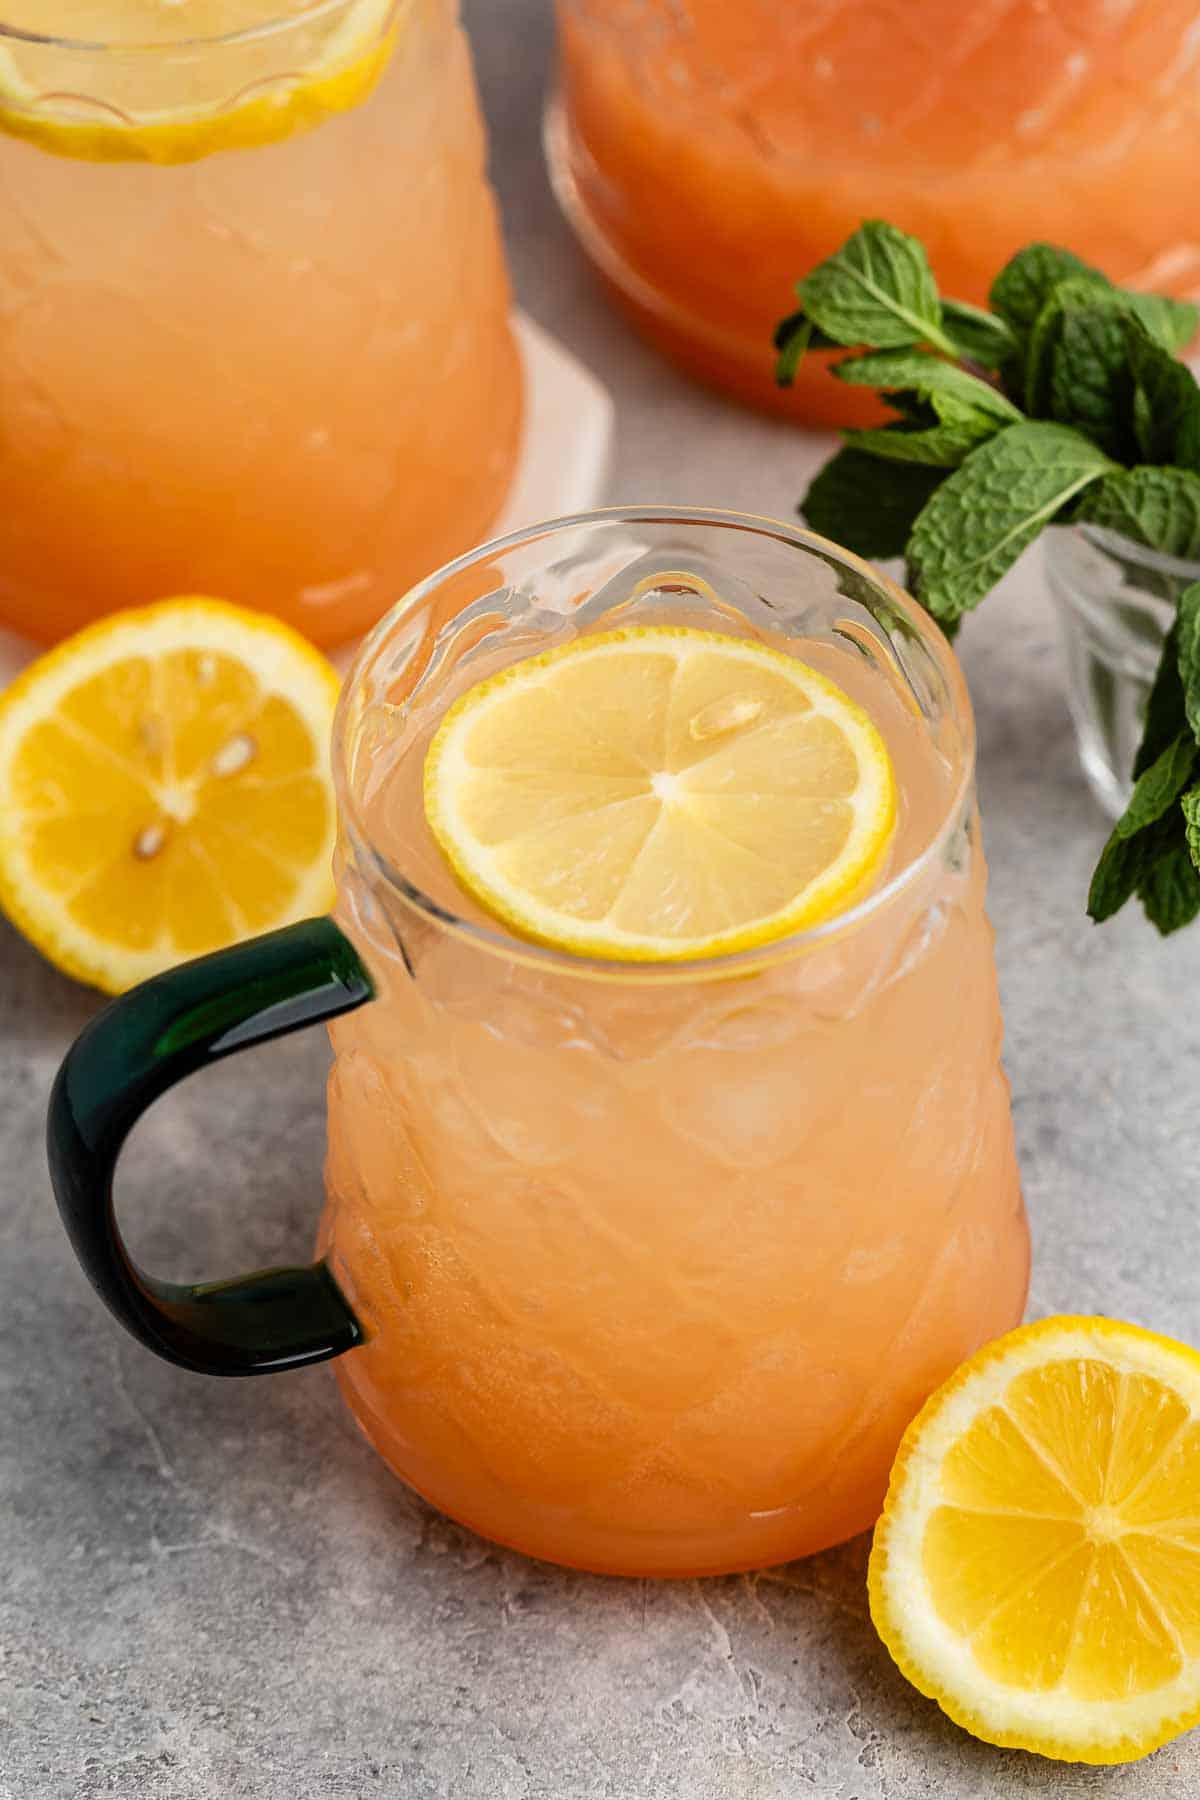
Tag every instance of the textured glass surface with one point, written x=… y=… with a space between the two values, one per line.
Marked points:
x=655 y=1269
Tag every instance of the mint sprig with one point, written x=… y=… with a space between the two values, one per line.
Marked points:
x=1063 y=400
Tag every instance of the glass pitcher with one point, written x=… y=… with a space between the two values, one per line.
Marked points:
x=254 y=313
x=636 y=1267
x=709 y=153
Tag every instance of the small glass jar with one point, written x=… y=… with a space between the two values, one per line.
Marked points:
x=1116 y=600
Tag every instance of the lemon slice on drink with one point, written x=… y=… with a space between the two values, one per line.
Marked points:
x=660 y=793
x=1036 y=1569
x=134 y=80
x=165 y=789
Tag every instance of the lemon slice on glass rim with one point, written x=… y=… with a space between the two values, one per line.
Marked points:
x=232 y=75
x=1036 y=1568
x=660 y=793
x=165 y=789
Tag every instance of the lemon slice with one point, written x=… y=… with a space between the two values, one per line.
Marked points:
x=659 y=793
x=164 y=789
x=1036 y=1569
x=257 y=75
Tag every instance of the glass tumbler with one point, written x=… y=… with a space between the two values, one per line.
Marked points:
x=254 y=313
x=637 y=1267
x=1116 y=601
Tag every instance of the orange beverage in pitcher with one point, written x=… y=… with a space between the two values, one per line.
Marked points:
x=657 y=1258
x=710 y=152
x=254 y=315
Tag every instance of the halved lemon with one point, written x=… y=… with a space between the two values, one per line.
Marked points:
x=165 y=789
x=659 y=793
x=166 y=84
x=1036 y=1569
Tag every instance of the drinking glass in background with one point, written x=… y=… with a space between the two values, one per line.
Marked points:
x=709 y=152
x=254 y=314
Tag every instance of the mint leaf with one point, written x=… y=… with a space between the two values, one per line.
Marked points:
x=867 y=505
x=1145 y=831
x=1188 y=639
x=1073 y=295
x=1083 y=355
x=1090 y=384
x=948 y=435
x=1191 y=818
x=1123 y=866
x=817 y=339
x=1170 y=322
x=1153 y=506
x=793 y=337
x=1166 y=711
x=1148 y=316
x=1170 y=890
x=1160 y=787
x=877 y=289
x=927 y=376
x=983 y=336
x=982 y=516
x=1026 y=281
x=1166 y=403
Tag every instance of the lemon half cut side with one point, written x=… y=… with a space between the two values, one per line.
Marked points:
x=165 y=789
x=1036 y=1568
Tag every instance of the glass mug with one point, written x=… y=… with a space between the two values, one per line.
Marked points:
x=638 y=1268
x=279 y=371
x=709 y=153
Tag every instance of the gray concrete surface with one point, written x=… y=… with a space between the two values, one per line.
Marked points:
x=211 y=1591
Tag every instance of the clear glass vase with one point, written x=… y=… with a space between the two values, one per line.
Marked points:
x=1116 y=600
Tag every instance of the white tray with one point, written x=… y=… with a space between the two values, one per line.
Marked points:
x=561 y=469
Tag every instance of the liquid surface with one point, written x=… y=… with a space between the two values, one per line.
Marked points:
x=654 y=1275
x=269 y=374
x=713 y=153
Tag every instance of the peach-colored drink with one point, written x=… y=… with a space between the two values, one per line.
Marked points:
x=657 y=1263
x=711 y=151
x=280 y=371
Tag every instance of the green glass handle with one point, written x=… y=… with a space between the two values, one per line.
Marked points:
x=132 y=1052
